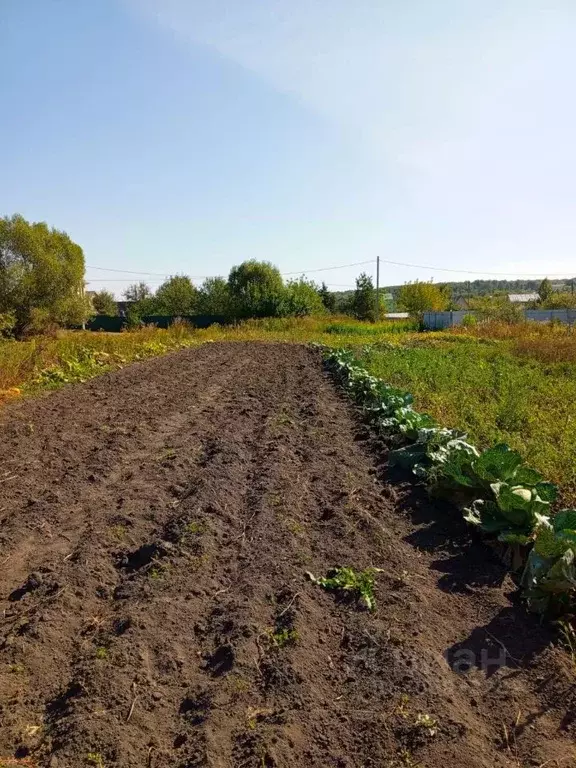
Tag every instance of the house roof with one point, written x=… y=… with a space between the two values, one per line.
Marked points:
x=521 y=298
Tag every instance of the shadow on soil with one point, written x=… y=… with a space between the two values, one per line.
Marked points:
x=466 y=565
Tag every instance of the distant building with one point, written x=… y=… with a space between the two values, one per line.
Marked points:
x=123 y=307
x=522 y=298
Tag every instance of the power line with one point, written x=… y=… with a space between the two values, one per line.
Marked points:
x=338 y=266
x=127 y=271
x=205 y=277
x=325 y=269
x=470 y=272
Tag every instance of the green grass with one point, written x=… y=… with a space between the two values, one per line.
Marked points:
x=493 y=394
x=349 y=328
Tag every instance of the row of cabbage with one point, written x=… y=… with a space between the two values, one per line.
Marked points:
x=494 y=489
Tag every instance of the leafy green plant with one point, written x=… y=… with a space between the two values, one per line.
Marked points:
x=513 y=513
x=550 y=575
x=357 y=583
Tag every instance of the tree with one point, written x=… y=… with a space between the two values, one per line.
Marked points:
x=416 y=298
x=137 y=292
x=41 y=275
x=545 y=290
x=104 y=303
x=214 y=297
x=497 y=308
x=328 y=298
x=177 y=296
x=447 y=292
x=302 y=298
x=363 y=303
x=560 y=300
x=256 y=289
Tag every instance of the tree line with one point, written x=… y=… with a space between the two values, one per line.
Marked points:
x=476 y=288
x=42 y=284
x=253 y=289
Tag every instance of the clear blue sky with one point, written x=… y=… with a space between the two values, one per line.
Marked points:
x=182 y=136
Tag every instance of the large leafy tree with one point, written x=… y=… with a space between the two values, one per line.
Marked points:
x=256 y=289
x=142 y=302
x=104 y=303
x=41 y=275
x=418 y=297
x=214 y=297
x=363 y=303
x=545 y=290
x=303 y=298
x=177 y=296
x=138 y=292
x=328 y=298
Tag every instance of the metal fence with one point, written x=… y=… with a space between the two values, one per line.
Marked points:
x=434 y=321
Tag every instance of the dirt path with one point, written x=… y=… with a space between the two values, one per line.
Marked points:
x=156 y=526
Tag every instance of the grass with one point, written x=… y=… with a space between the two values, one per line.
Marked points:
x=494 y=394
x=546 y=342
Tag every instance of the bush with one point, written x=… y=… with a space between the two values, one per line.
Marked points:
x=7 y=324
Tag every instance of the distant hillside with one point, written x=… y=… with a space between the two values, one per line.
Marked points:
x=490 y=287
x=470 y=288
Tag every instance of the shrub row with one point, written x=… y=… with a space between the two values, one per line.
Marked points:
x=494 y=490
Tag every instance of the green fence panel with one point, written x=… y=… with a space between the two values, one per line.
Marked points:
x=106 y=323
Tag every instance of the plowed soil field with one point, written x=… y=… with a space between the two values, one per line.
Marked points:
x=156 y=527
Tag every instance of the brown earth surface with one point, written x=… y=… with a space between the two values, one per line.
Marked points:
x=156 y=527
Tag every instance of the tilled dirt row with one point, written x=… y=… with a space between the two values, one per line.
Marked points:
x=156 y=529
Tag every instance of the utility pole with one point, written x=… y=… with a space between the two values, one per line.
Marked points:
x=377 y=288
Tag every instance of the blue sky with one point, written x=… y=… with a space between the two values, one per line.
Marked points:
x=176 y=136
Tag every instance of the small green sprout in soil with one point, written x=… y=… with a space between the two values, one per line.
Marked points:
x=158 y=572
x=284 y=637
x=427 y=723
x=568 y=638
x=195 y=527
x=95 y=758
x=118 y=532
x=347 y=580
x=102 y=652
x=17 y=669
x=294 y=527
